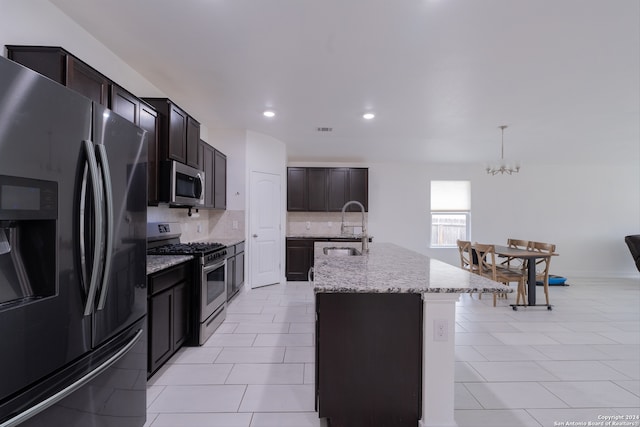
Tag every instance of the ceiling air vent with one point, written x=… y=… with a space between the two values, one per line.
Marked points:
x=324 y=129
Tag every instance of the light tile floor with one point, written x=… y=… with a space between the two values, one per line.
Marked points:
x=579 y=362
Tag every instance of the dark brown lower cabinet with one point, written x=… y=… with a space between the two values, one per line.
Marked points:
x=299 y=258
x=168 y=313
x=299 y=255
x=369 y=359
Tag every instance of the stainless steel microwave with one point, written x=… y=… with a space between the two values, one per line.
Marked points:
x=186 y=184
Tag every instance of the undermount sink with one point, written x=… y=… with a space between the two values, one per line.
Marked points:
x=341 y=251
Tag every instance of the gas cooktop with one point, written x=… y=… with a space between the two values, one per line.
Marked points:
x=185 y=248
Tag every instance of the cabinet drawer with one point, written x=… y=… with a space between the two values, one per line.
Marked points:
x=240 y=247
x=168 y=278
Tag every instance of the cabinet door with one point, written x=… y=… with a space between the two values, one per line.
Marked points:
x=369 y=358
x=338 y=188
x=48 y=61
x=299 y=258
x=87 y=81
x=317 y=189
x=149 y=122
x=192 y=141
x=125 y=104
x=177 y=134
x=160 y=327
x=297 y=195
x=239 y=271
x=220 y=180
x=207 y=152
x=231 y=268
x=180 y=322
x=359 y=188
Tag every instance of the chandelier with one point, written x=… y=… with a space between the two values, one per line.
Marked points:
x=504 y=166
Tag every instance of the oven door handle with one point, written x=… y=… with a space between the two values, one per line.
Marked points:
x=208 y=268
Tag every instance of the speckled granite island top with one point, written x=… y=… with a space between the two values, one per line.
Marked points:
x=389 y=268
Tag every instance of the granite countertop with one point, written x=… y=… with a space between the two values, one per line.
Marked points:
x=156 y=263
x=389 y=268
x=229 y=242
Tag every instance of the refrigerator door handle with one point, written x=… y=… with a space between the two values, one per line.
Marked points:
x=108 y=197
x=55 y=398
x=98 y=224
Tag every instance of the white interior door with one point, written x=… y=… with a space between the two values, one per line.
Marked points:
x=265 y=229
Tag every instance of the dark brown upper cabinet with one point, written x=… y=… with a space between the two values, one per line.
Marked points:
x=132 y=108
x=64 y=68
x=214 y=165
x=220 y=181
x=207 y=165
x=192 y=141
x=338 y=188
x=318 y=189
x=297 y=190
x=326 y=189
x=179 y=133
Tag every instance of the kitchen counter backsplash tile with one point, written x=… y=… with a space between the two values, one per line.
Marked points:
x=325 y=224
x=213 y=225
x=389 y=268
x=156 y=263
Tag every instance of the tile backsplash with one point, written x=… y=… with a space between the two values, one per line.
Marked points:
x=323 y=223
x=205 y=225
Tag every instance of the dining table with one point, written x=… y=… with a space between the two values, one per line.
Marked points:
x=531 y=257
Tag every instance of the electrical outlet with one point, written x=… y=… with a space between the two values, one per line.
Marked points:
x=234 y=225
x=199 y=228
x=308 y=225
x=440 y=330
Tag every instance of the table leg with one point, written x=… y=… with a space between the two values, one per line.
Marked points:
x=531 y=281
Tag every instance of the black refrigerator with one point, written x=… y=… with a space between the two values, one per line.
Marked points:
x=72 y=258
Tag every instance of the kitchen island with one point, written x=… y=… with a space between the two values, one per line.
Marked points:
x=385 y=335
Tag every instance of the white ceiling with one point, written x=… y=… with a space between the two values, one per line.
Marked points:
x=441 y=75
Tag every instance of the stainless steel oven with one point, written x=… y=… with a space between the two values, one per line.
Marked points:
x=213 y=296
x=210 y=287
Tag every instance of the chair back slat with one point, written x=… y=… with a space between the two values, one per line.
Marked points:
x=468 y=260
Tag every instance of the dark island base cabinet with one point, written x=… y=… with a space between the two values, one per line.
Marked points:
x=169 y=305
x=369 y=359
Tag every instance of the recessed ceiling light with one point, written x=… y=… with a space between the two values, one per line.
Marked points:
x=368 y=116
x=269 y=113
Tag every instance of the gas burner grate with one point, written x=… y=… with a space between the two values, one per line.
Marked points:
x=185 y=248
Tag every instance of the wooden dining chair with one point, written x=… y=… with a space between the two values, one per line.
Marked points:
x=488 y=268
x=542 y=264
x=468 y=258
x=512 y=262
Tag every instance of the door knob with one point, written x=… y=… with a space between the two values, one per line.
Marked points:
x=255 y=235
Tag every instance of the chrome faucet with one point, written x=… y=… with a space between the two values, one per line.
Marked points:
x=365 y=238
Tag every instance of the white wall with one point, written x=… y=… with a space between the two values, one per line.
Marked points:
x=268 y=155
x=585 y=210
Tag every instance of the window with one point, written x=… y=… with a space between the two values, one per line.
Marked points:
x=450 y=212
